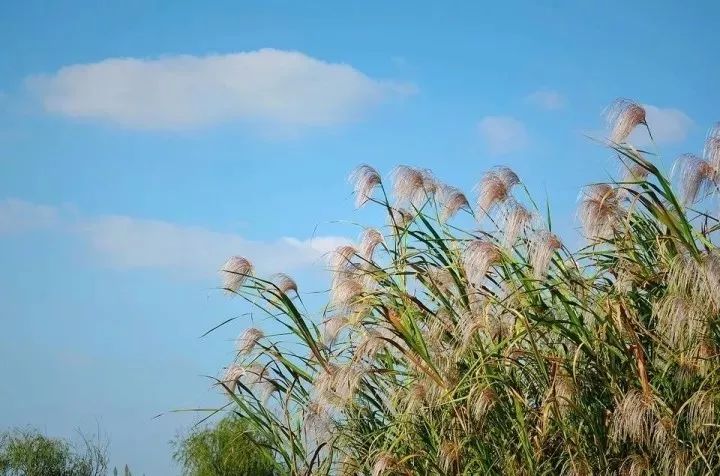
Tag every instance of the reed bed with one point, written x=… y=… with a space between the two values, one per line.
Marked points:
x=446 y=351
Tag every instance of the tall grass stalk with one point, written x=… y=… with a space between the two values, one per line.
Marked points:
x=449 y=351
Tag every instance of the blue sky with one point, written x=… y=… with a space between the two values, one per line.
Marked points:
x=143 y=142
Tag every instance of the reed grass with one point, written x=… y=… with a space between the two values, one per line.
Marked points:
x=464 y=352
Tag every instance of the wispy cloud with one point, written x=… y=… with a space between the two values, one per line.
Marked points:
x=503 y=134
x=124 y=242
x=547 y=99
x=667 y=125
x=266 y=86
x=18 y=216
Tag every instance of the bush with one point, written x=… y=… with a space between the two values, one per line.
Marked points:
x=29 y=453
x=228 y=449
x=451 y=351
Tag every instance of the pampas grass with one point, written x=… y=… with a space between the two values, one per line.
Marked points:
x=446 y=351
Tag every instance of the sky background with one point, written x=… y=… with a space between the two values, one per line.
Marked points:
x=143 y=142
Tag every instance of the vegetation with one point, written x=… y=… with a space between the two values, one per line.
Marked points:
x=29 y=453
x=450 y=351
x=227 y=449
x=126 y=471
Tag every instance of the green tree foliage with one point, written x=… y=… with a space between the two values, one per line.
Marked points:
x=227 y=449
x=30 y=453
x=126 y=471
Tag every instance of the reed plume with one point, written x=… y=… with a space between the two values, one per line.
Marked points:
x=697 y=176
x=495 y=188
x=622 y=117
x=413 y=186
x=234 y=273
x=478 y=257
x=364 y=180
x=247 y=341
x=369 y=240
x=600 y=211
x=450 y=201
x=542 y=247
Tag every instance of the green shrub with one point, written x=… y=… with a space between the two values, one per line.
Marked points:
x=29 y=453
x=227 y=449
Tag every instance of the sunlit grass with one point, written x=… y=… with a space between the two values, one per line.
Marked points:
x=502 y=351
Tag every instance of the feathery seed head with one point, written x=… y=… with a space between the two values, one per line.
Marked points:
x=635 y=465
x=369 y=240
x=635 y=173
x=699 y=360
x=506 y=174
x=600 y=210
x=634 y=418
x=347 y=379
x=247 y=341
x=345 y=290
x=332 y=328
x=255 y=373
x=679 y=318
x=600 y=191
x=662 y=434
x=384 y=462
x=348 y=466
x=696 y=176
x=412 y=186
x=400 y=218
x=478 y=257
x=701 y=411
x=373 y=341
x=323 y=383
x=622 y=117
x=711 y=151
x=627 y=275
x=450 y=201
x=494 y=188
x=266 y=389
x=449 y=455
x=440 y=278
x=416 y=396
x=481 y=400
x=233 y=373
x=500 y=325
x=516 y=219
x=563 y=388
x=674 y=460
x=710 y=286
x=341 y=259
x=468 y=325
x=284 y=283
x=317 y=420
x=433 y=334
x=234 y=272
x=685 y=274
x=542 y=247
x=364 y=179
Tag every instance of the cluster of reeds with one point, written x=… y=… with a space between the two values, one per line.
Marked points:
x=450 y=351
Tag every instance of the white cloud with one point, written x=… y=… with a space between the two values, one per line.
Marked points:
x=547 y=99
x=127 y=243
x=18 y=216
x=667 y=125
x=503 y=134
x=266 y=86
x=124 y=242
